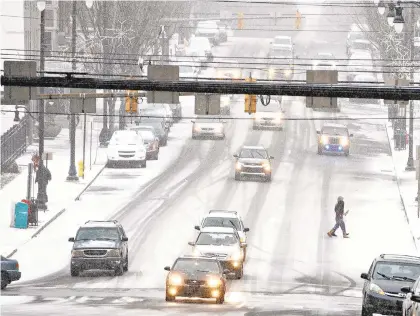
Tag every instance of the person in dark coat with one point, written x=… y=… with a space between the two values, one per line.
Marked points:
x=339 y=218
x=46 y=174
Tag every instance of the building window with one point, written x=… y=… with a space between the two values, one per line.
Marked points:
x=49 y=18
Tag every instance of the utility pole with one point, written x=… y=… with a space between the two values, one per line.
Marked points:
x=72 y=176
x=103 y=136
x=42 y=197
x=411 y=34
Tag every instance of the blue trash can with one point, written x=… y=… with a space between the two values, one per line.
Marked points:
x=21 y=215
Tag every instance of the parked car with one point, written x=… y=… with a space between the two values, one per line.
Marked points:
x=126 y=147
x=158 y=111
x=158 y=126
x=99 y=245
x=9 y=271
x=151 y=141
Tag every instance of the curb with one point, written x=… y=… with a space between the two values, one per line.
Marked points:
x=52 y=219
x=398 y=185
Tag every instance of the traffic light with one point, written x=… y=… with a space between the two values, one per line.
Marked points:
x=250 y=103
x=240 y=21
x=298 y=19
x=131 y=103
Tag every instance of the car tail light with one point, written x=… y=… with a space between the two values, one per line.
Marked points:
x=17 y=265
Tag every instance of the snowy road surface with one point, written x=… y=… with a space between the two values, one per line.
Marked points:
x=292 y=267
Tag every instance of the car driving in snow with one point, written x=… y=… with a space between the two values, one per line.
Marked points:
x=269 y=116
x=253 y=161
x=158 y=125
x=99 y=245
x=383 y=290
x=196 y=276
x=224 y=244
x=126 y=147
x=324 y=61
x=208 y=127
x=151 y=142
x=334 y=138
x=224 y=218
x=9 y=271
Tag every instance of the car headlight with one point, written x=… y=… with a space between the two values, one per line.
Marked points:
x=77 y=253
x=237 y=256
x=238 y=166
x=344 y=141
x=267 y=166
x=175 y=279
x=243 y=239
x=114 y=253
x=196 y=129
x=213 y=282
x=324 y=139
x=376 y=289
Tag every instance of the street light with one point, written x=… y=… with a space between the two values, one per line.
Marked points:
x=42 y=197
x=398 y=20
x=89 y=4
x=391 y=15
x=381 y=7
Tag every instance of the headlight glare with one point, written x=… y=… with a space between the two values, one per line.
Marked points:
x=213 y=282
x=236 y=256
x=176 y=279
x=344 y=141
x=238 y=166
x=324 y=139
x=374 y=288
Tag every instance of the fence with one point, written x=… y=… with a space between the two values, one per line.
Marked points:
x=14 y=143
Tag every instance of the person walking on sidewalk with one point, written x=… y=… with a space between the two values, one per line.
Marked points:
x=339 y=218
x=46 y=174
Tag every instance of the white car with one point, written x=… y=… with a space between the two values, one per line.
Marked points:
x=356 y=67
x=324 y=61
x=224 y=244
x=268 y=117
x=159 y=110
x=126 y=147
x=222 y=218
x=208 y=127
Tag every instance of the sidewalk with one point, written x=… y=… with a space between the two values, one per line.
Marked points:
x=60 y=192
x=407 y=182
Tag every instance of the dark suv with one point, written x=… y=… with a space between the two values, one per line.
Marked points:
x=99 y=245
x=253 y=161
x=388 y=273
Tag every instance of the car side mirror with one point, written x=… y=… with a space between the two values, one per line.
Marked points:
x=365 y=276
x=71 y=239
x=124 y=239
x=246 y=230
x=415 y=298
x=236 y=155
x=167 y=268
x=197 y=227
x=191 y=243
x=351 y=135
x=318 y=132
x=406 y=289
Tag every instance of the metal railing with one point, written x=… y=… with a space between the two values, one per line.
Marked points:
x=14 y=143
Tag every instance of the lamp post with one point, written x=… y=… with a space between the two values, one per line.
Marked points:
x=42 y=197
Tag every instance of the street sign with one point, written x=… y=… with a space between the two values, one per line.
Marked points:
x=321 y=76
x=19 y=95
x=396 y=82
x=87 y=105
x=163 y=73
x=207 y=104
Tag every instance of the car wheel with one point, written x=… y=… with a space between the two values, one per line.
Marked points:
x=319 y=151
x=109 y=164
x=119 y=270
x=220 y=299
x=268 y=178
x=74 y=272
x=126 y=264
x=4 y=280
x=366 y=312
x=346 y=153
x=169 y=298
x=237 y=176
x=240 y=273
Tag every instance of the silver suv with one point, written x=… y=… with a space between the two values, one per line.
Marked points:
x=99 y=245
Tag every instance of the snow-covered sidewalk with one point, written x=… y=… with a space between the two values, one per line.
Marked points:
x=60 y=192
x=407 y=182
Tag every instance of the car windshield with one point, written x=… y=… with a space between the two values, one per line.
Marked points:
x=222 y=222
x=97 y=233
x=281 y=52
x=217 y=239
x=282 y=41
x=254 y=153
x=124 y=139
x=147 y=135
x=329 y=130
x=153 y=112
x=193 y=265
x=396 y=271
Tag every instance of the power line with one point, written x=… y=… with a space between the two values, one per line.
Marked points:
x=219 y=116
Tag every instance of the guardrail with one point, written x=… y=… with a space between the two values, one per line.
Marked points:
x=14 y=143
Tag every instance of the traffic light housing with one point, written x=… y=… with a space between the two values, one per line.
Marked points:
x=250 y=103
x=298 y=20
x=240 y=21
x=131 y=103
